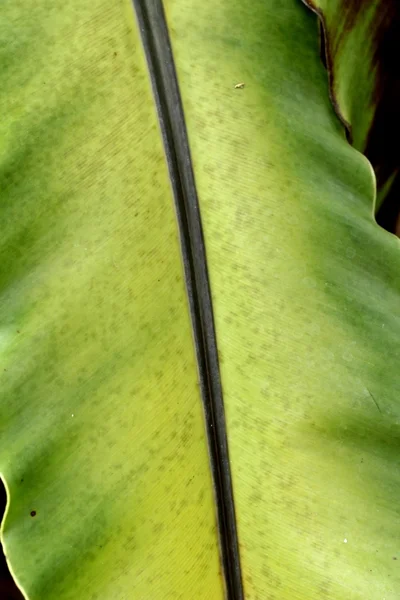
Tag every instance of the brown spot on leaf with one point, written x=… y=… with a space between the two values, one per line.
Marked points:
x=33 y=513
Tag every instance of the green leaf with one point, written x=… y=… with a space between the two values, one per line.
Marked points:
x=361 y=43
x=306 y=292
x=102 y=421
x=103 y=428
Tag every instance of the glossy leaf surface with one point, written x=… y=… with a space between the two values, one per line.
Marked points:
x=103 y=432
x=102 y=422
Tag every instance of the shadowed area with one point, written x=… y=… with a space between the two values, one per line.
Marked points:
x=8 y=589
x=388 y=215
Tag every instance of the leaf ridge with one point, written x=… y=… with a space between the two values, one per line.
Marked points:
x=157 y=48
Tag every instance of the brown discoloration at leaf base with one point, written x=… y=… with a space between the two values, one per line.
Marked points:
x=327 y=60
x=349 y=13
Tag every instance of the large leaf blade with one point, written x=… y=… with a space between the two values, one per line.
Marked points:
x=102 y=422
x=294 y=258
x=305 y=291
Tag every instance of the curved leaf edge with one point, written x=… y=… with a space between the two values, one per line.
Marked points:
x=2 y=540
x=327 y=60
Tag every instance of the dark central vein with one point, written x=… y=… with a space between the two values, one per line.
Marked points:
x=158 y=51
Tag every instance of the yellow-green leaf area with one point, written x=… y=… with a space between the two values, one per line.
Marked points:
x=102 y=433
x=305 y=289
